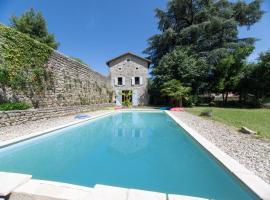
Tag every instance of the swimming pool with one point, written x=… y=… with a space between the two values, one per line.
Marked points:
x=144 y=150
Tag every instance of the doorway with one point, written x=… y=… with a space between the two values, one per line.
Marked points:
x=127 y=97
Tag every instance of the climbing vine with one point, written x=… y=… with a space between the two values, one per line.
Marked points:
x=22 y=64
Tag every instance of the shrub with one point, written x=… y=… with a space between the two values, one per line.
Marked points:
x=14 y=106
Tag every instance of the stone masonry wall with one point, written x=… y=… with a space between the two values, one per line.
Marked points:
x=75 y=84
x=17 y=117
x=72 y=84
x=135 y=68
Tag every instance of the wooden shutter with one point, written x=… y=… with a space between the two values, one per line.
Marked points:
x=141 y=80
x=133 y=81
x=124 y=80
x=115 y=81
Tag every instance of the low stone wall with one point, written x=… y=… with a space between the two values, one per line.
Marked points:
x=8 y=118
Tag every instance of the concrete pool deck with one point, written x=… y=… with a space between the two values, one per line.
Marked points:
x=26 y=188
x=261 y=188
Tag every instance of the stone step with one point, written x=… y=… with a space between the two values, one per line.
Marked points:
x=10 y=181
x=147 y=195
x=48 y=190
x=22 y=187
x=183 y=197
x=104 y=192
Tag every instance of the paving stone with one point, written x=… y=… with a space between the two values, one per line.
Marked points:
x=183 y=197
x=104 y=192
x=47 y=190
x=10 y=181
x=145 y=195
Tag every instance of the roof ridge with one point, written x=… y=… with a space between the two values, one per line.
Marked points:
x=129 y=53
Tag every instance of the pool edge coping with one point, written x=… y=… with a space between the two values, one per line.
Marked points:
x=23 y=138
x=36 y=134
x=248 y=178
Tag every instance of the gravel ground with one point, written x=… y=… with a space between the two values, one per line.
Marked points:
x=10 y=132
x=252 y=152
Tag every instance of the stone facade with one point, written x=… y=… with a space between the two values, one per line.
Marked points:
x=72 y=84
x=132 y=71
x=16 y=117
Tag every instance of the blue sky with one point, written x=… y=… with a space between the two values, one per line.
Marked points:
x=97 y=30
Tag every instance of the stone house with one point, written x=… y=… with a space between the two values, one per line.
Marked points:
x=128 y=75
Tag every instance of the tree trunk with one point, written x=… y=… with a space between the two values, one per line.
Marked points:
x=226 y=98
x=240 y=97
x=180 y=102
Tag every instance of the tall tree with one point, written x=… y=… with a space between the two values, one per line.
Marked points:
x=255 y=79
x=209 y=28
x=227 y=73
x=33 y=24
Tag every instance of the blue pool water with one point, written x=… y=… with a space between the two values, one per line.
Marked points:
x=135 y=149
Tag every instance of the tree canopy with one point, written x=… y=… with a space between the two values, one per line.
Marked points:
x=34 y=25
x=175 y=90
x=216 y=55
x=182 y=65
x=255 y=78
x=209 y=27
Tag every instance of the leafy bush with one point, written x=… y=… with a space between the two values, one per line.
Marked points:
x=14 y=106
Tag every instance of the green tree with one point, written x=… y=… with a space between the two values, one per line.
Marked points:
x=175 y=90
x=33 y=24
x=229 y=70
x=180 y=64
x=255 y=78
x=209 y=29
x=263 y=73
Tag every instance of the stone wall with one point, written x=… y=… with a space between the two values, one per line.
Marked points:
x=72 y=83
x=17 y=117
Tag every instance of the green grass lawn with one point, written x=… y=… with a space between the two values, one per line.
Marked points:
x=254 y=119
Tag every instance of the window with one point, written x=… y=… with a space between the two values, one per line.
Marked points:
x=137 y=67
x=119 y=68
x=119 y=81
x=128 y=59
x=137 y=80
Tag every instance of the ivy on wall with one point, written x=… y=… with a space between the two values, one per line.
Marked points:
x=22 y=64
